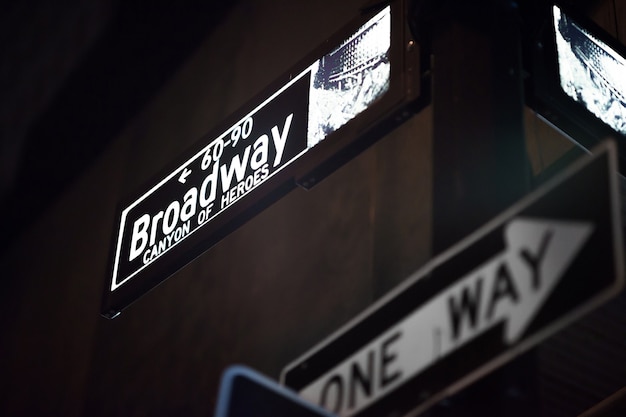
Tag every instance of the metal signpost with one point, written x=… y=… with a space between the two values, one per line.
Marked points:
x=354 y=90
x=541 y=264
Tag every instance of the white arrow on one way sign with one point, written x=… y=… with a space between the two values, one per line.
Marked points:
x=508 y=289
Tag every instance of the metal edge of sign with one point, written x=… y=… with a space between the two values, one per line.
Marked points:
x=607 y=147
x=402 y=96
x=234 y=371
x=544 y=93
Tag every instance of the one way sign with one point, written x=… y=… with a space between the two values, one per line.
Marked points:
x=540 y=265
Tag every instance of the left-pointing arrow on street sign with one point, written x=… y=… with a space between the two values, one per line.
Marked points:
x=183 y=175
x=508 y=289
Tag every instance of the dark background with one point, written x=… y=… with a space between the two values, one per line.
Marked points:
x=97 y=97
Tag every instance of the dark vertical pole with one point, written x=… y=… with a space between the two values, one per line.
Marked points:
x=480 y=164
x=479 y=155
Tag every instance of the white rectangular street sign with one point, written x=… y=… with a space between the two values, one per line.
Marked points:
x=541 y=264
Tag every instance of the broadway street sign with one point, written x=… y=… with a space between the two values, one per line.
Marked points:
x=292 y=134
x=538 y=266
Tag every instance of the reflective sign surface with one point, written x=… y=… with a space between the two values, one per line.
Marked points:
x=591 y=72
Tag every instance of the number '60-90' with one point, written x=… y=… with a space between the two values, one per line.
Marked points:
x=240 y=131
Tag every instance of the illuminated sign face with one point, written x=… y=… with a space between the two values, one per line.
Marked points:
x=591 y=72
x=346 y=81
x=283 y=127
